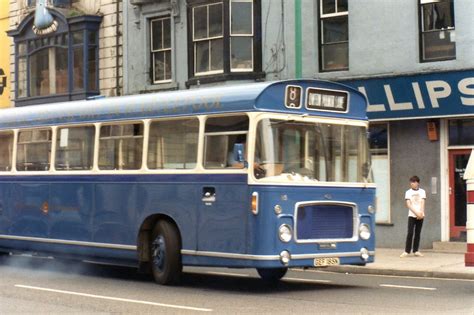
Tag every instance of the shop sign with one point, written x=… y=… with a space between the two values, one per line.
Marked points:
x=440 y=94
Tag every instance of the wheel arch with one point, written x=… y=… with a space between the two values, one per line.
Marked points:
x=144 y=234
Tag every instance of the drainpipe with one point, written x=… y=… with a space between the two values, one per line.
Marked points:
x=469 y=177
x=298 y=40
x=117 y=43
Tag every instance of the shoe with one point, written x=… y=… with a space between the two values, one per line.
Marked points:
x=418 y=254
x=403 y=255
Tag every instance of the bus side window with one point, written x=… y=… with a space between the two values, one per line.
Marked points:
x=6 y=151
x=34 y=150
x=173 y=144
x=75 y=148
x=221 y=134
x=121 y=146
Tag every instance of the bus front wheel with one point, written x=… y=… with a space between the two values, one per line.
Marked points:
x=165 y=253
x=271 y=274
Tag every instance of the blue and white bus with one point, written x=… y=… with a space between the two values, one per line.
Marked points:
x=265 y=175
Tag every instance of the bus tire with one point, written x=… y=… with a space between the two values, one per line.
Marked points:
x=272 y=274
x=165 y=253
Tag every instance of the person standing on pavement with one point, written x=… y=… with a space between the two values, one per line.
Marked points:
x=415 y=200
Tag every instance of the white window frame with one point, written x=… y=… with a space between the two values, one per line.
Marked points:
x=322 y=43
x=162 y=50
x=208 y=39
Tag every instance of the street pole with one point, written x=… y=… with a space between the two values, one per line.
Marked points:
x=469 y=177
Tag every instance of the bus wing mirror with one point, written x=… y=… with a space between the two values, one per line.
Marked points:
x=239 y=152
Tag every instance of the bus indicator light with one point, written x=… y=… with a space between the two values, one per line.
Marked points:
x=255 y=203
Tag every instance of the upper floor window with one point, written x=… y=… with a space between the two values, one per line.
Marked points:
x=56 y=3
x=334 y=35
x=437 y=31
x=161 y=52
x=224 y=40
x=59 y=65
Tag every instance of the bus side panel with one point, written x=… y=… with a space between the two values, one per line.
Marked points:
x=222 y=223
x=70 y=211
x=115 y=212
x=30 y=202
x=175 y=199
x=5 y=207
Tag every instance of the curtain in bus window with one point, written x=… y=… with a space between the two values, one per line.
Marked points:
x=173 y=144
x=6 y=149
x=75 y=148
x=121 y=147
x=34 y=148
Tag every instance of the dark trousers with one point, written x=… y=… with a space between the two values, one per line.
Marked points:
x=413 y=225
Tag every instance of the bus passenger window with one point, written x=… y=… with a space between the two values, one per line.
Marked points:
x=121 y=147
x=6 y=151
x=173 y=144
x=75 y=148
x=34 y=148
x=222 y=133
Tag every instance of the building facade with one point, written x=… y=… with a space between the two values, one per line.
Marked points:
x=5 y=41
x=412 y=59
x=68 y=50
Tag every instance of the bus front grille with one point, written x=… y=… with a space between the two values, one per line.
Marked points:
x=320 y=222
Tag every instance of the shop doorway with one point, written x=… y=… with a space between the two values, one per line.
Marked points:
x=457 y=194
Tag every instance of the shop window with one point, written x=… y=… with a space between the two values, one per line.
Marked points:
x=461 y=132
x=224 y=42
x=161 y=59
x=378 y=141
x=58 y=66
x=437 y=31
x=334 y=35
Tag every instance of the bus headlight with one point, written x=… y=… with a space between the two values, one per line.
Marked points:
x=284 y=233
x=364 y=231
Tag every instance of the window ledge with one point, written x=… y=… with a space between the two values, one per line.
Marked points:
x=150 y=88
x=257 y=76
x=54 y=98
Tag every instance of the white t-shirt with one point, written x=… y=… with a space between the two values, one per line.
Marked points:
x=415 y=196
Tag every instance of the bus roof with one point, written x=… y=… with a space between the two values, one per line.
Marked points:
x=265 y=96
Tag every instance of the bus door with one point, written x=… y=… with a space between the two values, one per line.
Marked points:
x=224 y=202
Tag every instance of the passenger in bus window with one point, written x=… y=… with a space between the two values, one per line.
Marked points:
x=231 y=162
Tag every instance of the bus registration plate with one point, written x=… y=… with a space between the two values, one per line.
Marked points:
x=322 y=262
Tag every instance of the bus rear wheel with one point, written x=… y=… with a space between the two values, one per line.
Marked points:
x=165 y=253
x=272 y=274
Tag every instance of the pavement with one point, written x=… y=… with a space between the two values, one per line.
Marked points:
x=433 y=264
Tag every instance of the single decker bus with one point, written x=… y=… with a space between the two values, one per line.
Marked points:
x=269 y=175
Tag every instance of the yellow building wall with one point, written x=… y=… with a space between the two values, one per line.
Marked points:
x=5 y=42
